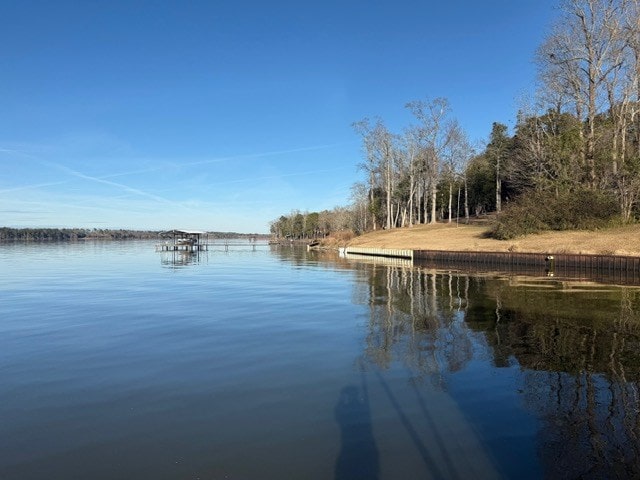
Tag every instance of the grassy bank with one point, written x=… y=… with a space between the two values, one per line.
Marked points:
x=614 y=241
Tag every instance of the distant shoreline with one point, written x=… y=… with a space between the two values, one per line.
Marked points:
x=8 y=234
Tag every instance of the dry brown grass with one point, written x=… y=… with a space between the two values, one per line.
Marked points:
x=614 y=241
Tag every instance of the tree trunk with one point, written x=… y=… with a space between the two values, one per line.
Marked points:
x=434 y=198
x=498 y=187
x=372 y=200
x=466 y=200
x=450 y=199
x=389 y=206
x=425 y=206
x=411 y=193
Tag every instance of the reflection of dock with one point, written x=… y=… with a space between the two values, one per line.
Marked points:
x=182 y=258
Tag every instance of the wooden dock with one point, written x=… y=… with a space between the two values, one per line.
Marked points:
x=196 y=241
x=380 y=252
x=175 y=247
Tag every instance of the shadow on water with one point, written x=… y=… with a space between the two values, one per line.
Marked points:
x=428 y=459
x=447 y=459
x=358 y=457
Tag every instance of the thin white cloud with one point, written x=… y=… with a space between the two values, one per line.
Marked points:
x=126 y=188
x=277 y=177
x=33 y=185
x=193 y=163
x=263 y=154
x=13 y=151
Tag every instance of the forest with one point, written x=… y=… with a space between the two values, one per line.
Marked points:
x=59 y=234
x=72 y=234
x=571 y=162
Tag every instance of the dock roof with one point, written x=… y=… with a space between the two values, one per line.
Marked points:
x=183 y=232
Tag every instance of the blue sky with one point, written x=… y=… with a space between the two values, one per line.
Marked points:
x=223 y=115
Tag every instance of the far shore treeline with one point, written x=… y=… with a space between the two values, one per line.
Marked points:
x=71 y=234
x=572 y=160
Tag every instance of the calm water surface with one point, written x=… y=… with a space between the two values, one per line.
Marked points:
x=274 y=363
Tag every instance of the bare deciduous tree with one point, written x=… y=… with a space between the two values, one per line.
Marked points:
x=436 y=133
x=379 y=147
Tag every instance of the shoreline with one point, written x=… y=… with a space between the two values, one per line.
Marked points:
x=620 y=241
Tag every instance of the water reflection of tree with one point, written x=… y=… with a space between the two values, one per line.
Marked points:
x=416 y=316
x=570 y=329
x=590 y=424
x=578 y=347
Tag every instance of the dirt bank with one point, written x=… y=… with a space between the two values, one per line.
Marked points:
x=615 y=241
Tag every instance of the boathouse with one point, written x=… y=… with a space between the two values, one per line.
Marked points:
x=183 y=240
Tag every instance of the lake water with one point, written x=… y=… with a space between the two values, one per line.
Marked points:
x=262 y=362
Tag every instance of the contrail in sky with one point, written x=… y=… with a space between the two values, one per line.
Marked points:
x=126 y=188
x=32 y=157
x=224 y=159
x=36 y=185
x=16 y=152
x=273 y=177
x=263 y=154
x=104 y=178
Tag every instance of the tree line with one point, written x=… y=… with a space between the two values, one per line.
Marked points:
x=572 y=160
x=66 y=234
x=71 y=234
x=312 y=225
